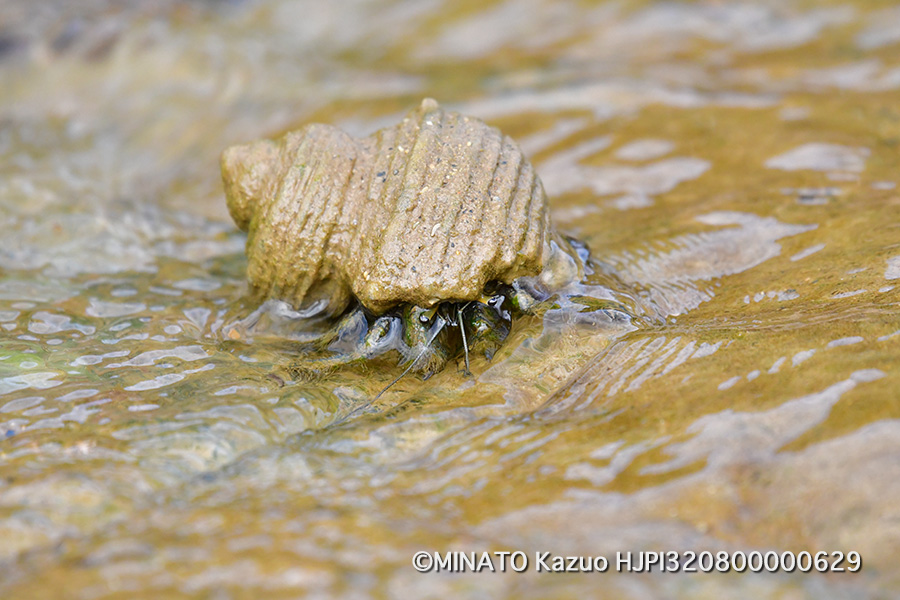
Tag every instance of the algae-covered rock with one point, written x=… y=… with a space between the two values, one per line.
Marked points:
x=427 y=211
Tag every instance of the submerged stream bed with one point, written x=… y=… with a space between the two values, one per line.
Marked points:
x=734 y=164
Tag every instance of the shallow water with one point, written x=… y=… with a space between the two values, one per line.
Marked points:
x=734 y=164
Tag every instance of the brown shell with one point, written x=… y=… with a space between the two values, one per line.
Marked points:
x=426 y=211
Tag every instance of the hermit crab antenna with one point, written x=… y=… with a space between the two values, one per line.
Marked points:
x=425 y=349
x=361 y=408
x=462 y=329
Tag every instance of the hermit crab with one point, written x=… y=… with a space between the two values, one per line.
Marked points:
x=425 y=238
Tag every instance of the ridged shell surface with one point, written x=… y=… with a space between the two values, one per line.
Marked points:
x=429 y=210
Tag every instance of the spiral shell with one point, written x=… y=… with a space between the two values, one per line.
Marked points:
x=429 y=210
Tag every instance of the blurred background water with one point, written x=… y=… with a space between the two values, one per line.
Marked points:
x=734 y=163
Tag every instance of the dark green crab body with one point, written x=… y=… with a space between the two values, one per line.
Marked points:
x=422 y=240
